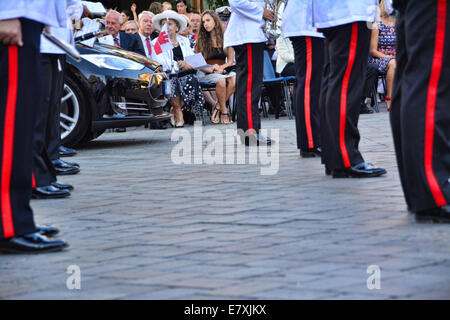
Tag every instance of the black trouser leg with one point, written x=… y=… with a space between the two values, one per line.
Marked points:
x=309 y=60
x=19 y=72
x=421 y=117
x=275 y=92
x=249 y=73
x=348 y=52
x=53 y=136
x=326 y=145
x=43 y=168
x=396 y=106
x=371 y=80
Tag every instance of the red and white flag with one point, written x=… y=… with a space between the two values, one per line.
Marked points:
x=163 y=43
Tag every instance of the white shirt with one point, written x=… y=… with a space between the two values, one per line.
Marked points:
x=144 y=43
x=285 y=53
x=48 y=12
x=332 y=13
x=245 y=23
x=298 y=21
x=166 y=58
x=74 y=10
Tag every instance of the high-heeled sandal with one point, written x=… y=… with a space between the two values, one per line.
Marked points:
x=216 y=113
x=388 y=99
x=229 y=119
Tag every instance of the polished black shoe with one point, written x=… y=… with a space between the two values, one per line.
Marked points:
x=31 y=243
x=311 y=153
x=64 y=168
x=256 y=140
x=66 y=152
x=62 y=186
x=60 y=162
x=47 y=231
x=362 y=170
x=434 y=215
x=49 y=192
x=365 y=109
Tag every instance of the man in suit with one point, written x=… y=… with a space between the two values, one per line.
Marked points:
x=121 y=39
x=145 y=34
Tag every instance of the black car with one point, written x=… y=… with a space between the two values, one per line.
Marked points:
x=110 y=88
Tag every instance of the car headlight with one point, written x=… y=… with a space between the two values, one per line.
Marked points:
x=112 y=62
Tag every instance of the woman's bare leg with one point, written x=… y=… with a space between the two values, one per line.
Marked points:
x=177 y=104
x=390 y=81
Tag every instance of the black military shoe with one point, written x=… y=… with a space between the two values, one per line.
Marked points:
x=48 y=192
x=256 y=140
x=62 y=186
x=64 y=168
x=434 y=215
x=311 y=153
x=365 y=109
x=31 y=243
x=66 y=152
x=47 y=231
x=362 y=170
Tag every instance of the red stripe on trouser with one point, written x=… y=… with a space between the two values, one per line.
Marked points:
x=308 y=92
x=8 y=142
x=344 y=93
x=33 y=181
x=249 y=88
x=431 y=103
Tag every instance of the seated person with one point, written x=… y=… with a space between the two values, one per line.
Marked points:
x=286 y=58
x=120 y=38
x=187 y=33
x=382 y=49
x=131 y=27
x=126 y=16
x=186 y=90
x=210 y=45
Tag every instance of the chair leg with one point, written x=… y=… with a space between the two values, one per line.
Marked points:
x=375 y=99
x=287 y=99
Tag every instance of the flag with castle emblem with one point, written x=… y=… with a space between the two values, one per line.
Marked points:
x=163 y=43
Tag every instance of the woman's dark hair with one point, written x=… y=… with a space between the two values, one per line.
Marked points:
x=185 y=2
x=203 y=44
x=128 y=14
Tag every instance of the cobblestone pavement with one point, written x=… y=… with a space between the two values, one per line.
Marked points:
x=141 y=227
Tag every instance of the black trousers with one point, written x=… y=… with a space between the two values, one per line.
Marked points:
x=371 y=80
x=346 y=51
x=420 y=113
x=53 y=137
x=45 y=133
x=19 y=76
x=249 y=75
x=308 y=70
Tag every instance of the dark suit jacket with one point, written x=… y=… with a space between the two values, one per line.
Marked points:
x=130 y=42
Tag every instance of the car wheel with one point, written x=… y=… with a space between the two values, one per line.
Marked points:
x=74 y=116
